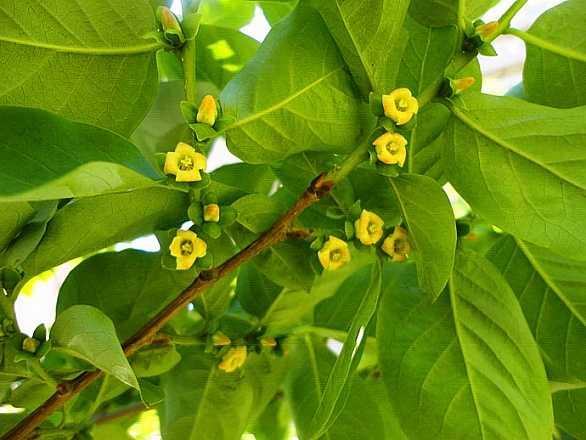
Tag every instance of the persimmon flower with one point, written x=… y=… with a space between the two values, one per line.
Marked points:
x=185 y=163
x=208 y=111
x=397 y=245
x=233 y=359
x=391 y=148
x=369 y=228
x=334 y=253
x=268 y=342
x=219 y=339
x=400 y=105
x=211 y=213
x=30 y=345
x=186 y=247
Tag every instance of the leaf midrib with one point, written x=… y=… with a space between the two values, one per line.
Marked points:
x=507 y=146
x=549 y=281
x=111 y=51
x=279 y=104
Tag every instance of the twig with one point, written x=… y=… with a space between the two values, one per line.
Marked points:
x=129 y=410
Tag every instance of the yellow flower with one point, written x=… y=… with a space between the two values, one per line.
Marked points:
x=334 y=253
x=462 y=84
x=208 y=110
x=268 y=342
x=400 y=106
x=185 y=163
x=369 y=227
x=390 y=148
x=30 y=344
x=186 y=247
x=219 y=339
x=487 y=30
x=397 y=244
x=211 y=213
x=233 y=359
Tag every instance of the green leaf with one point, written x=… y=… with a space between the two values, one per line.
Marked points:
x=13 y=217
x=555 y=65
x=366 y=414
x=448 y=12
x=82 y=59
x=221 y=53
x=465 y=366
x=426 y=56
x=154 y=360
x=226 y=13
x=215 y=300
x=361 y=29
x=552 y=292
x=570 y=408
x=288 y=264
x=337 y=388
x=257 y=212
x=275 y=10
x=293 y=96
x=85 y=332
x=427 y=212
x=62 y=159
x=520 y=166
x=129 y=287
x=204 y=402
x=231 y=182
x=275 y=421
x=86 y=226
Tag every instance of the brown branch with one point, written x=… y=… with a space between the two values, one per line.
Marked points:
x=129 y=410
x=278 y=232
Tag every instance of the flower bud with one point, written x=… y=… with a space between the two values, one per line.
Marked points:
x=30 y=345
x=211 y=213
x=208 y=111
x=219 y=339
x=171 y=27
x=268 y=342
x=233 y=359
x=487 y=30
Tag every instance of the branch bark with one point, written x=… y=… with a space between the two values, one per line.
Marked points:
x=320 y=187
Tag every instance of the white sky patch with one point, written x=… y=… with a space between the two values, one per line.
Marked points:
x=334 y=346
x=259 y=27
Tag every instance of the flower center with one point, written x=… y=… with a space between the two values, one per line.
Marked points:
x=186 y=248
x=186 y=163
x=335 y=255
x=393 y=148
x=372 y=228
x=400 y=246
x=402 y=104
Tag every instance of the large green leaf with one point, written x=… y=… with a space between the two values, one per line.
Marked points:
x=234 y=181
x=203 y=402
x=570 y=409
x=63 y=159
x=555 y=66
x=552 y=293
x=446 y=12
x=366 y=415
x=85 y=332
x=293 y=96
x=466 y=366
x=129 y=287
x=361 y=29
x=521 y=166
x=82 y=59
x=337 y=388
x=88 y=225
x=427 y=212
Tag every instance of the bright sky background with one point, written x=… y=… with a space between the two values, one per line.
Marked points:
x=37 y=303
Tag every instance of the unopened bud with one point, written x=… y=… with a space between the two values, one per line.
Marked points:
x=487 y=30
x=30 y=344
x=268 y=342
x=171 y=27
x=211 y=213
x=462 y=84
x=208 y=110
x=219 y=339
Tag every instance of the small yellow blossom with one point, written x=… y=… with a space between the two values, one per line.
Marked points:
x=400 y=106
x=219 y=339
x=30 y=344
x=397 y=244
x=186 y=247
x=185 y=163
x=390 y=148
x=463 y=84
x=369 y=227
x=233 y=359
x=268 y=342
x=334 y=253
x=208 y=110
x=488 y=29
x=211 y=213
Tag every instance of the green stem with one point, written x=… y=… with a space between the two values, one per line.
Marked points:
x=547 y=45
x=190 y=28
x=185 y=340
x=505 y=20
x=7 y=307
x=359 y=155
